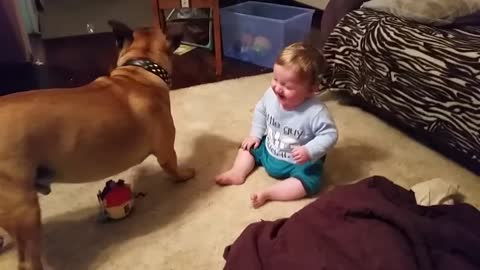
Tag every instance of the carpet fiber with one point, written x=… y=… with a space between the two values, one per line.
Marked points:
x=188 y=225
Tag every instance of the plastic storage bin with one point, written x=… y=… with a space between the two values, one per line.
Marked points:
x=256 y=32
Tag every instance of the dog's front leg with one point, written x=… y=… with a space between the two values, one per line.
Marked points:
x=168 y=161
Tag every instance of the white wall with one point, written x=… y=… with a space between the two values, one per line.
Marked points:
x=70 y=17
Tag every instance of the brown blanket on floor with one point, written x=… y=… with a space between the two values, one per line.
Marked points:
x=372 y=224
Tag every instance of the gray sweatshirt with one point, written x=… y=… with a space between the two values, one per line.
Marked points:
x=310 y=125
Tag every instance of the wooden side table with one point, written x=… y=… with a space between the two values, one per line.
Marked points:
x=160 y=5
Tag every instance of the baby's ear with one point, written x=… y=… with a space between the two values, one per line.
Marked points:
x=321 y=81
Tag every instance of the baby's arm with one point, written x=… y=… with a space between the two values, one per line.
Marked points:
x=326 y=135
x=259 y=122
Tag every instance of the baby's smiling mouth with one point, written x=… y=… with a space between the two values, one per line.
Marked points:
x=280 y=96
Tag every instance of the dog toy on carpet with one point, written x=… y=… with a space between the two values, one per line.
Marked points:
x=5 y=240
x=116 y=200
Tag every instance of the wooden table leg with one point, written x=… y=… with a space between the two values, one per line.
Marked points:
x=217 y=38
x=159 y=20
x=158 y=16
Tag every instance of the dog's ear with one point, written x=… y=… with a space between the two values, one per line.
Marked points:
x=174 y=37
x=121 y=32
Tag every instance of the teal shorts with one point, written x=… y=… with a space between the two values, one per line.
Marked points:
x=309 y=173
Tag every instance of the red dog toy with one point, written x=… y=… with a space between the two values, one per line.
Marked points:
x=116 y=199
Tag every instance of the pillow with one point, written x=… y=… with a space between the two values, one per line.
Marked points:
x=434 y=12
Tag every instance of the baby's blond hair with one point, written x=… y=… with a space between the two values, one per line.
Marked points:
x=306 y=59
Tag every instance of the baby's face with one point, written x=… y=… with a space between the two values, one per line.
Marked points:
x=290 y=89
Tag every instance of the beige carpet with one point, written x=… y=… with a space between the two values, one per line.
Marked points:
x=187 y=226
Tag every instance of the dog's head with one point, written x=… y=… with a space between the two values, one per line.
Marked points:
x=148 y=42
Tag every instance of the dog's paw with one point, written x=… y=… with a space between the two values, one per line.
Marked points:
x=185 y=174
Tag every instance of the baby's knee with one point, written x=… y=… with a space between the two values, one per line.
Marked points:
x=313 y=187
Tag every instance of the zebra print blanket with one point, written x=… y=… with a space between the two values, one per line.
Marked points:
x=427 y=78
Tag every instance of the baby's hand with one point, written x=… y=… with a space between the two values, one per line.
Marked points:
x=300 y=154
x=249 y=142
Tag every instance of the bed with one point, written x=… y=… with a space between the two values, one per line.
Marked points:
x=422 y=78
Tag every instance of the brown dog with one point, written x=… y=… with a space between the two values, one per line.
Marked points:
x=86 y=133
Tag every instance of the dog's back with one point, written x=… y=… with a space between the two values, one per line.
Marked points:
x=46 y=129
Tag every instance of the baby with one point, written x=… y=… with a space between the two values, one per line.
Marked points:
x=291 y=130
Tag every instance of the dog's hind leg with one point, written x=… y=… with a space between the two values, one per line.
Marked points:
x=28 y=235
x=20 y=250
x=20 y=217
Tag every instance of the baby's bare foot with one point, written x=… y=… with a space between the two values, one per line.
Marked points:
x=230 y=178
x=259 y=199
